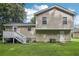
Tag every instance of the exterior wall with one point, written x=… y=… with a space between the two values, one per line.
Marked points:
x=42 y=35
x=45 y=36
x=68 y=35
x=24 y=30
x=30 y=35
x=8 y=28
x=54 y=19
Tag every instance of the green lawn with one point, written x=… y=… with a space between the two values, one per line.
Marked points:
x=40 y=49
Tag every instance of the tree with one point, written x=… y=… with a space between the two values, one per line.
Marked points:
x=11 y=12
x=33 y=20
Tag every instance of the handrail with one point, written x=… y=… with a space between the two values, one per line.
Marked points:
x=12 y=34
x=19 y=34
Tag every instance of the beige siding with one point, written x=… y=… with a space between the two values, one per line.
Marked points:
x=8 y=28
x=54 y=19
x=24 y=30
x=45 y=36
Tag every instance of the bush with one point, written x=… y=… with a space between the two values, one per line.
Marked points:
x=0 y=37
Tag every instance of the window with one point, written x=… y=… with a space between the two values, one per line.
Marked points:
x=29 y=28
x=64 y=20
x=44 y=20
x=28 y=40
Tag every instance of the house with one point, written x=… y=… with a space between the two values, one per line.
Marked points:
x=19 y=31
x=53 y=24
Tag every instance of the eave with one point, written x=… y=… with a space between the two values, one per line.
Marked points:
x=19 y=24
x=56 y=6
x=53 y=28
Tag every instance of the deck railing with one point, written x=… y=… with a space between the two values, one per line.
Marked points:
x=9 y=34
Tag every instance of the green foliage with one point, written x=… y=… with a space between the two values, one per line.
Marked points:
x=40 y=49
x=13 y=11
x=33 y=20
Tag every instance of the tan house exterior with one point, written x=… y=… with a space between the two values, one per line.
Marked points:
x=27 y=30
x=52 y=24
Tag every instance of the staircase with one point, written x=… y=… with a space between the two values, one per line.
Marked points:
x=16 y=35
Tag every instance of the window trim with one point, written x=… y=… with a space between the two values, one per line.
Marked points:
x=44 y=21
x=64 y=20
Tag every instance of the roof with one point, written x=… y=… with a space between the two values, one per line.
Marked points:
x=18 y=24
x=56 y=6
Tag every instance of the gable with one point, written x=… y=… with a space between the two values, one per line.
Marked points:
x=57 y=8
x=54 y=13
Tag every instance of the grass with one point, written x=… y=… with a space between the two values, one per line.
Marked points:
x=41 y=49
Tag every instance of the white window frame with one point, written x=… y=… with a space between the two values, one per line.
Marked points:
x=44 y=20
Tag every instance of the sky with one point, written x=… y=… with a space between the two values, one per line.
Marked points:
x=31 y=8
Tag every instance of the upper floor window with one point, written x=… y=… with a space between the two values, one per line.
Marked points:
x=44 y=20
x=64 y=20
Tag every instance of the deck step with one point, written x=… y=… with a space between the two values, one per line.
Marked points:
x=16 y=35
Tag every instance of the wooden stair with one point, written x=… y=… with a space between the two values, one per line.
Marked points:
x=16 y=35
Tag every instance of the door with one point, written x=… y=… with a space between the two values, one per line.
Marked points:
x=62 y=36
x=15 y=29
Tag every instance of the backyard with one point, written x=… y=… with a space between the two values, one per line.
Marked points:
x=40 y=49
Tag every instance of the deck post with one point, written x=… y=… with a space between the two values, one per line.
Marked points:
x=3 y=40
x=13 y=40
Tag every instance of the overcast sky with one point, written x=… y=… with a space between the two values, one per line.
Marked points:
x=31 y=8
